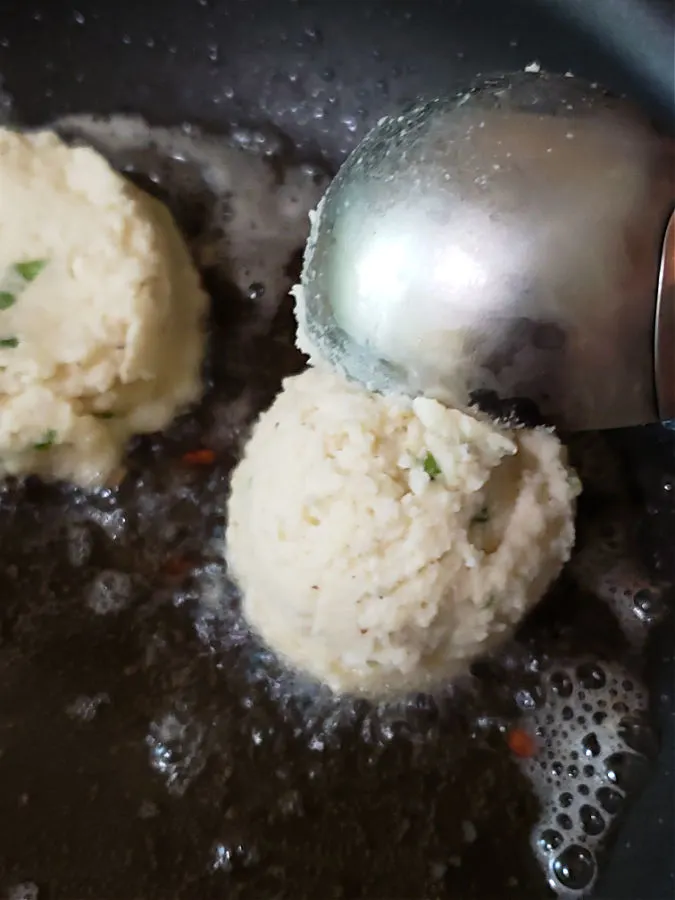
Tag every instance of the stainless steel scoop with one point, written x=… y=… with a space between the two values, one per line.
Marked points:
x=513 y=240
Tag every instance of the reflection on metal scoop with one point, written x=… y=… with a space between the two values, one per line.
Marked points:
x=510 y=240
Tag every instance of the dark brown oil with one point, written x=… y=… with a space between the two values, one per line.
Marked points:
x=151 y=748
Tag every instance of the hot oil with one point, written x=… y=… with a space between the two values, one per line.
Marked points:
x=209 y=768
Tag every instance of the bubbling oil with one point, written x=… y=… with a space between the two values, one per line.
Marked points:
x=594 y=749
x=593 y=737
x=154 y=547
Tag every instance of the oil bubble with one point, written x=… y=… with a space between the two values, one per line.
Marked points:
x=591 y=820
x=227 y=857
x=256 y=290
x=638 y=736
x=591 y=676
x=610 y=800
x=575 y=868
x=526 y=699
x=550 y=840
x=591 y=745
x=565 y=821
x=175 y=748
x=648 y=605
x=627 y=771
x=561 y=684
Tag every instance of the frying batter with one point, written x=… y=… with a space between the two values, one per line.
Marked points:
x=380 y=543
x=101 y=312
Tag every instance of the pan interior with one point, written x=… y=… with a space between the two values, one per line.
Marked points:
x=177 y=754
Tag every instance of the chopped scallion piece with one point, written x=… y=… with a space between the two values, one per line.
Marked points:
x=106 y=414
x=30 y=268
x=431 y=467
x=46 y=441
x=9 y=342
x=7 y=299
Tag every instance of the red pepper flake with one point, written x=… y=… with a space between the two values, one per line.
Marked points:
x=177 y=567
x=521 y=743
x=202 y=457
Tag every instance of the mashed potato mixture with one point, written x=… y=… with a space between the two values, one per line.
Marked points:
x=101 y=312
x=380 y=543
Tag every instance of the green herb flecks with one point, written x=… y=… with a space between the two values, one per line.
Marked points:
x=482 y=516
x=30 y=268
x=17 y=278
x=46 y=441
x=106 y=414
x=431 y=467
x=9 y=342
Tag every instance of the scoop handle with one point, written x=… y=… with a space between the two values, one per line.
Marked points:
x=664 y=335
x=640 y=36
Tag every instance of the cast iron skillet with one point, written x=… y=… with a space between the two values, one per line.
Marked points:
x=69 y=796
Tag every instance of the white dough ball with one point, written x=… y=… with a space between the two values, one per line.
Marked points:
x=101 y=312
x=381 y=543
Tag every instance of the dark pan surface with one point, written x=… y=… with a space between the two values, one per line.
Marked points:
x=150 y=752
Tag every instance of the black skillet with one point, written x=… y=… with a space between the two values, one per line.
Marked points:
x=82 y=812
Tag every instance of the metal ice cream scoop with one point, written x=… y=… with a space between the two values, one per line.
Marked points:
x=513 y=240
